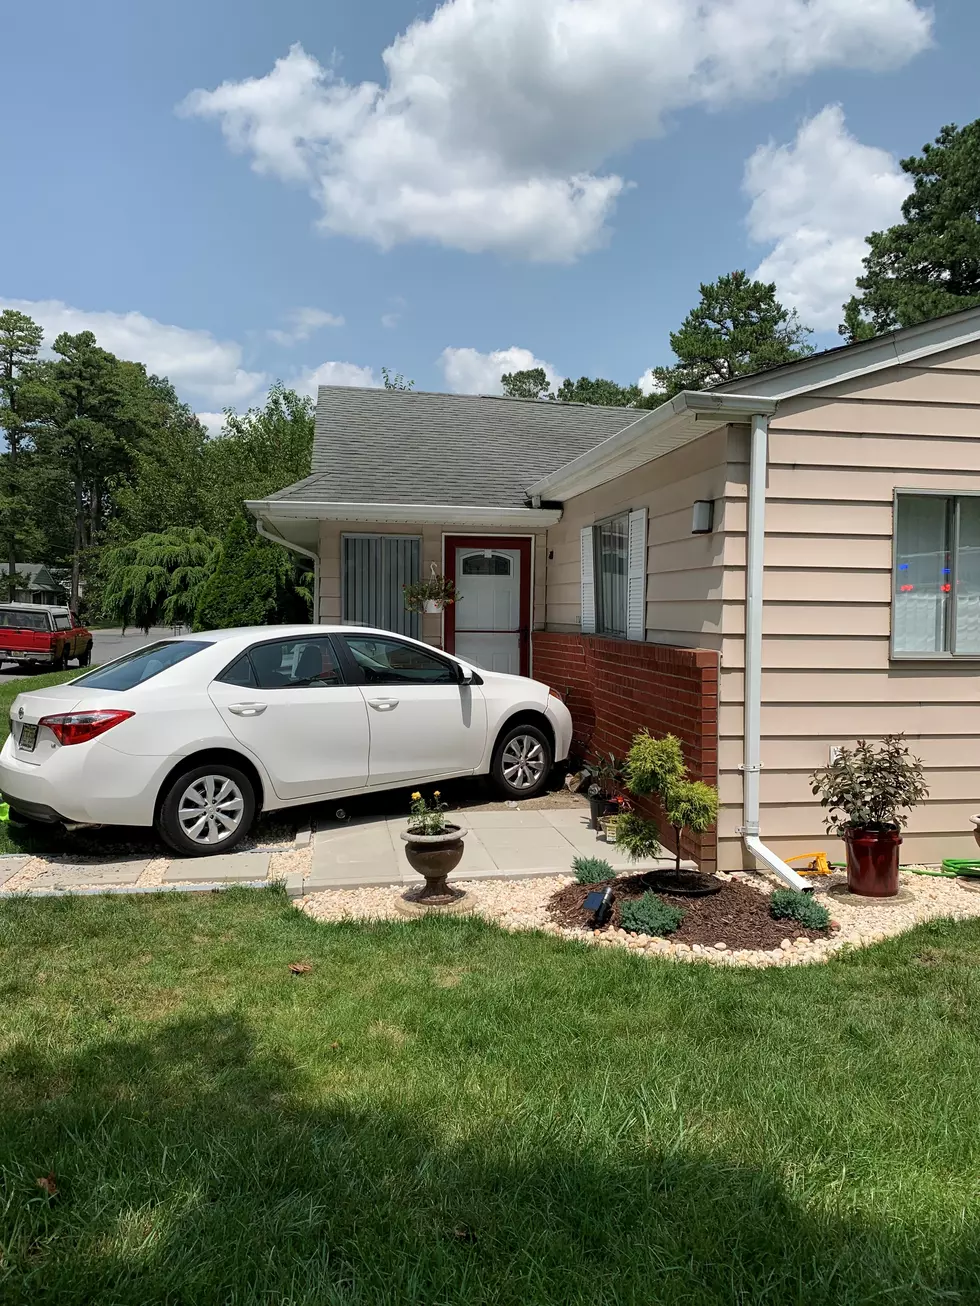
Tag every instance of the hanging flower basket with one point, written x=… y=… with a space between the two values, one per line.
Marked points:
x=431 y=595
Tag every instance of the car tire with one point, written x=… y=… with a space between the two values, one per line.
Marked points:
x=232 y=797
x=522 y=761
x=85 y=657
x=61 y=661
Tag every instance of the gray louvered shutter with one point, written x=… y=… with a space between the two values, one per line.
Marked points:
x=588 y=582
x=636 y=581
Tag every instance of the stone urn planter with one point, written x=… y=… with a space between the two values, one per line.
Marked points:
x=435 y=857
x=872 y=862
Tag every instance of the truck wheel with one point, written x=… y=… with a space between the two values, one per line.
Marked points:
x=85 y=657
x=61 y=661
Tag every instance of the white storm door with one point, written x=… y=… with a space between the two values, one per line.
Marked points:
x=488 y=616
x=287 y=703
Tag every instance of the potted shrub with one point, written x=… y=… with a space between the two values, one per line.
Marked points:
x=868 y=792
x=431 y=595
x=603 y=780
x=434 y=848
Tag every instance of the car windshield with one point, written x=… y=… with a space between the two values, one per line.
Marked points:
x=18 y=619
x=141 y=665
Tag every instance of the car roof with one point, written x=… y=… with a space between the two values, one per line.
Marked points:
x=249 y=633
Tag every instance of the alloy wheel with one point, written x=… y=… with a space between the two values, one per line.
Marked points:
x=523 y=762
x=210 y=809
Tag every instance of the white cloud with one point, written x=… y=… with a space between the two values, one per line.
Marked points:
x=310 y=380
x=815 y=200
x=302 y=322
x=648 y=383
x=468 y=372
x=195 y=361
x=497 y=115
x=390 y=320
x=213 y=422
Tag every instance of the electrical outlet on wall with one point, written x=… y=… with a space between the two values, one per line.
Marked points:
x=835 y=752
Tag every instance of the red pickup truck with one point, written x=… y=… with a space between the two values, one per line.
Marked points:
x=33 y=634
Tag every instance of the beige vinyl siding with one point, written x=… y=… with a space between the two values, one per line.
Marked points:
x=685 y=576
x=836 y=460
x=431 y=535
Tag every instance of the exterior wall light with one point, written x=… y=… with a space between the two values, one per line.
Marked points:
x=703 y=522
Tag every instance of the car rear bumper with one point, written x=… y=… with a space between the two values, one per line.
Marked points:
x=33 y=811
x=88 y=784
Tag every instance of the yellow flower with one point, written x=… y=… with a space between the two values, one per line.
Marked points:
x=416 y=795
x=435 y=793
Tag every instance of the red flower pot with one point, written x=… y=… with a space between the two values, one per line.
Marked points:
x=872 y=862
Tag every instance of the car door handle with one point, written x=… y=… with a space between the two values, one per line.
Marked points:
x=383 y=704
x=247 y=709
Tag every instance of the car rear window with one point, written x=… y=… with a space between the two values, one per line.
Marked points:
x=141 y=665
x=11 y=619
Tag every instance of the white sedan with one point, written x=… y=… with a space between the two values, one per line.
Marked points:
x=195 y=735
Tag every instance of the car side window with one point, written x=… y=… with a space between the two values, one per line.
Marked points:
x=239 y=673
x=295 y=664
x=62 y=622
x=390 y=662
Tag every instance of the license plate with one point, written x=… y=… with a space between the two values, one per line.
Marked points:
x=28 y=738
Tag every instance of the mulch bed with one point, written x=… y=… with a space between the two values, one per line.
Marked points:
x=736 y=915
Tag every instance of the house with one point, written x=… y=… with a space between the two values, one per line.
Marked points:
x=770 y=569
x=38 y=585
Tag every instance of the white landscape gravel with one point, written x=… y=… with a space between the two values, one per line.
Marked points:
x=522 y=905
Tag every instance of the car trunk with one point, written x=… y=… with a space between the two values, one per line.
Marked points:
x=28 y=709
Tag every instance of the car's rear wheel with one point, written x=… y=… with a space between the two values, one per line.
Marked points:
x=207 y=809
x=85 y=657
x=522 y=761
x=61 y=661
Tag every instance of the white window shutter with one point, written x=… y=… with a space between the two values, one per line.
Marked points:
x=636 y=583
x=588 y=582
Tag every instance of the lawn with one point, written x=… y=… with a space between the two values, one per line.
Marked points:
x=439 y=1112
x=13 y=838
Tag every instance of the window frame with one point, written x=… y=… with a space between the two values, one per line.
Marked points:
x=949 y=654
x=600 y=628
x=339 y=657
x=355 y=672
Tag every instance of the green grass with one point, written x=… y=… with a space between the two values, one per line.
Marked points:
x=442 y=1113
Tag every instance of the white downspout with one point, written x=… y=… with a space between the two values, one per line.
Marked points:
x=752 y=728
x=306 y=553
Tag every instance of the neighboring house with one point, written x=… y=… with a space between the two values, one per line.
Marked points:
x=632 y=543
x=39 y=585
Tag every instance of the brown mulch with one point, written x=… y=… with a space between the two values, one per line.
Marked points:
x=735 y=915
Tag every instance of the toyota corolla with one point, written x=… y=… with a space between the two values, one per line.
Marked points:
x=197 y=734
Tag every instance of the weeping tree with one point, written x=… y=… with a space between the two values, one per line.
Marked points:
x=254 y=583
x=157 y=578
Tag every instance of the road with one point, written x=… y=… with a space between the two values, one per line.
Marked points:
x=108 y=644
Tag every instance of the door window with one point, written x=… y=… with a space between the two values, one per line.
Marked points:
x=486 y=564
x=62 y=621
x=389 y=662
x=292 y=664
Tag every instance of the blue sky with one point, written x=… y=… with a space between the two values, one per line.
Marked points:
x=550 y=176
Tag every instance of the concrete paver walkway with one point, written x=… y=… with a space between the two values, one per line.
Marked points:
x=499 y=845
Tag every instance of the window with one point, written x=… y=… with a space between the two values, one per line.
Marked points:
x=389 y=662
x=141 y=665
x=936 y=597
x=611 y=567
x=14 y=619
x=62 y=621
x=376 y=568
x=239 y=673
x=290 y=664
x=486 y=564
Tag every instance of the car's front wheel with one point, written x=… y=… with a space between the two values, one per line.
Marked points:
x=522 y=761
x=207 y=809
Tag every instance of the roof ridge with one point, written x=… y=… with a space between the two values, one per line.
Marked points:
x=558 y=404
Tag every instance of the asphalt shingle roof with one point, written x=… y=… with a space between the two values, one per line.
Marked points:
x=405 y=446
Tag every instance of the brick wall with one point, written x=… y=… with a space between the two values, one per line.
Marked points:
x=615 y=687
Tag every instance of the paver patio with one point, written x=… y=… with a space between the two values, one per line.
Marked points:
x=499 y=845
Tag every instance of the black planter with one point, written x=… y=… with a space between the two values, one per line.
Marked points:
x=600 y=806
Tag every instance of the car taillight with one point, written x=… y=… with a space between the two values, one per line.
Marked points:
x=80 y=727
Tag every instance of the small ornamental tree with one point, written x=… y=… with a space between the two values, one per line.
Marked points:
x=656 y=767
x=251 y=585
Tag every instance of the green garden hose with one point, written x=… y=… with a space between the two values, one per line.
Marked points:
x=961 y=866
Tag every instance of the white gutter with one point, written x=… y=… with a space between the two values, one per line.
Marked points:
x=752 y=726
x=306 y=553
x=447 y=514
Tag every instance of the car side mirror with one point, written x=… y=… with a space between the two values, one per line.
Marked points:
x=468 y=676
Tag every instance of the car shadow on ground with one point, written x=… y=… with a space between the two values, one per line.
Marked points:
x=192 y=1165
